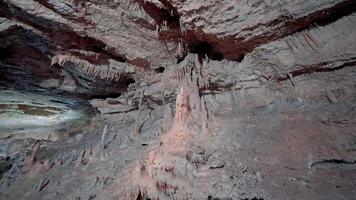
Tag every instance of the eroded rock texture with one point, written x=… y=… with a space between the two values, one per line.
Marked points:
x=227 y=99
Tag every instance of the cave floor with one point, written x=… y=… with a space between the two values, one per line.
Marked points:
x=287 y=150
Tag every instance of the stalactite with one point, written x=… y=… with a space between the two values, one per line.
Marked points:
x=165 y=26
x=103 y=72
x=204 y=74
x=138 y=114
x=291 y=79
x=182 y=28
x=180 y=50
x=182 y=106
x=157 y=32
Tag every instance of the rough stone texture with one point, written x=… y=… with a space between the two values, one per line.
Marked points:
x=199 y=99
x=40 y=116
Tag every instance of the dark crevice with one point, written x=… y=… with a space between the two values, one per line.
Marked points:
x=5 y=165
x=118 y=112
x=205 y=49
x=233 y=48
x=170 y=7
x=241 y=58
x=27 y=58
x=331 y=15
x=4 y=53
x=19 y=36
x=24 y=56
x=60 y=34
x=215 y=88
x=128 y=81
x=180 y=59
x=332 y=162
x=291 y=26
x=316 y=68
x=167 y=14
x=159 y=70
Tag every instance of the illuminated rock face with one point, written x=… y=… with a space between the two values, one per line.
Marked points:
x=225 y=99
x=182 y=106
x=169 y=168
x=40 y=116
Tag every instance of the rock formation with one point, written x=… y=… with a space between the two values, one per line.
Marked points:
x=164 y=99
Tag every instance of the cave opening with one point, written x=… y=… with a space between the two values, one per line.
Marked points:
x=204 y=49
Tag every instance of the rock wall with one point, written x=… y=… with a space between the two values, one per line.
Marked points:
x=199 y=99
